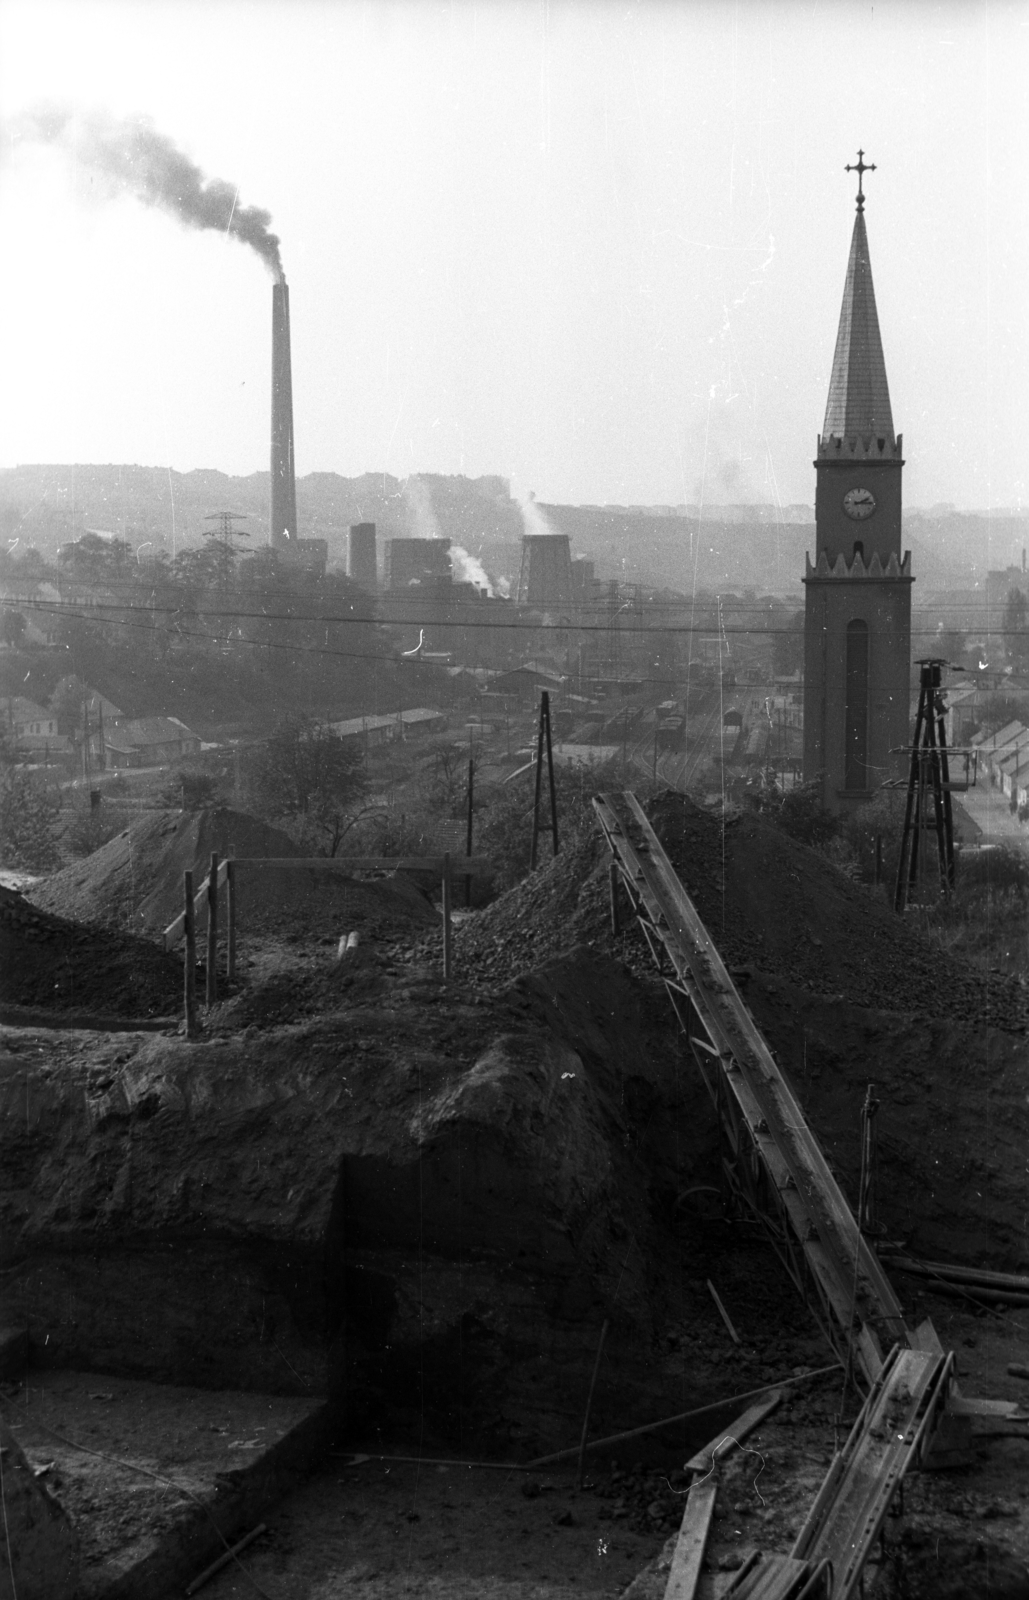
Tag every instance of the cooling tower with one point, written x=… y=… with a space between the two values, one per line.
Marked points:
x=361 y=555
x=545 y=581
x=284 y=487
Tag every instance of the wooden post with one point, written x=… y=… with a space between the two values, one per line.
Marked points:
x=230 y=908
x=212 y=933
x=448 y=961
x=550 y=770
x=613 y=881
x=539 y=789
x=471 y=824
x=190 y=958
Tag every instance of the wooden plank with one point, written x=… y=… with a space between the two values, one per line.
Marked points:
x=736 y=1431
x=684 y=1574
x=175 y=930
x=474 y=866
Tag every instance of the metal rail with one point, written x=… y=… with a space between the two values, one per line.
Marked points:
x=775 y=1163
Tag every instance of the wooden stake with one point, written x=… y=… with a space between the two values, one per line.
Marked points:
x=226 y=1556
x=734 y=1336
x=589 y=1405
x=448 y=960
x=468 y=839
x=539 y=788
x=612 y=872
x=230 y=909
x=212 y=933
x=550 y=769
x=190 y=958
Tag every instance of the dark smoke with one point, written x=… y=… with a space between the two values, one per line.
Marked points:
x=138 y=160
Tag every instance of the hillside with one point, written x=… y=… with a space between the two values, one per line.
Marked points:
x=731 y=547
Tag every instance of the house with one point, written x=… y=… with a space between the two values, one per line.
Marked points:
x=525 y=681
x=993 y=749
x=1009 y=766
x=370 y=731
x=149 y=742
x=23 y=717
x=95 y=704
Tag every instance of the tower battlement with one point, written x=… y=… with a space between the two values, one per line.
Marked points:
x=861 y=447
x=824 y=570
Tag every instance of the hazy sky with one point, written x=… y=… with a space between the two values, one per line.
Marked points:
x=597 y=248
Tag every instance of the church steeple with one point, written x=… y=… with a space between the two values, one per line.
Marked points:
x=859 y=397
x=857 y=614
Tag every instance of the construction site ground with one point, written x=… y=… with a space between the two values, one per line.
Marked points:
x=846 y=993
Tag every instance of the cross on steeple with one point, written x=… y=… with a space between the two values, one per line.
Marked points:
x=860 y=167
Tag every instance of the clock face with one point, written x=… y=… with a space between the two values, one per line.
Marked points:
x=859 y=503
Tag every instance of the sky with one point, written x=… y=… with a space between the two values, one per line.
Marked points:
x=596 y=248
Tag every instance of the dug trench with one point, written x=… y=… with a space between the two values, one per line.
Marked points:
x=417 y=1203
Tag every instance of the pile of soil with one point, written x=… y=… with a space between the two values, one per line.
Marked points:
x=562 y=905
x=323 y=903
x=767 y=901
x=135 y=881
x=783 y=907
x=51 y=962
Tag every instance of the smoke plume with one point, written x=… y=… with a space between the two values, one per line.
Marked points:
x=472 y=569
x=135 y=159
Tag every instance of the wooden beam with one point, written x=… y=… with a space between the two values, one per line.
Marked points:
x=475 y=866
x=734 y=1433
x=684 y=1574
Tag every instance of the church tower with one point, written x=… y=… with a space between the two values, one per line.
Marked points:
x=857 y=614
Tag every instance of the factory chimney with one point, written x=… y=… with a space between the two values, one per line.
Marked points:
x=284 y=487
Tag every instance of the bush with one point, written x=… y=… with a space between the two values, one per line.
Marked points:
x=28 y=816
x=998 y=870
x=91 y=827
x=191 y=789
x=306 y=773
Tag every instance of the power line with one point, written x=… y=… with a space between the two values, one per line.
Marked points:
x=714 y=630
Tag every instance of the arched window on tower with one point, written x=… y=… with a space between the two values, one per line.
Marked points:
x=855 y=769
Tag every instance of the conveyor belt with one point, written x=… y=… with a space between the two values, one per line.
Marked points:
x=794 y=1191
x=887 y=1437
x=778 y=1169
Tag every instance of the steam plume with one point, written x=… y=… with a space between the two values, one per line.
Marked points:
x=138 y=160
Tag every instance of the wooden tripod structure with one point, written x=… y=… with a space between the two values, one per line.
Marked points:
x=928 y=776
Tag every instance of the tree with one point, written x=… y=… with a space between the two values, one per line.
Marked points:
x=1016 y=628
x=950 y=644
x=306 y=771
x=28 y=815
x=12 y=628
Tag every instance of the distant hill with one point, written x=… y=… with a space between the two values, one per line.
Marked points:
x=727 y=548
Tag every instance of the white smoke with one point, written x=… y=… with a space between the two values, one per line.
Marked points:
x=426 y=526
x=472 y=569
x=419 y=501
x=532 y=517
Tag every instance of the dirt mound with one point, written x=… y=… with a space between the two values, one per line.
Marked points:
x=771 y=902
x=562 y=905
x=50 y=962
x=135 y=881
x=323 y=902
x=767 y=901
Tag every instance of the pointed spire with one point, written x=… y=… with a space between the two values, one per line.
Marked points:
x=859 y=398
